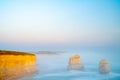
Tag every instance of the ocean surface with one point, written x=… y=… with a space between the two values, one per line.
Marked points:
x=54 y=66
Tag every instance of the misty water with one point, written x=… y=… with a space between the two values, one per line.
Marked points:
x=54 y=66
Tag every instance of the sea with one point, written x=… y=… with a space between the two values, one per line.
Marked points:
x=55 y=66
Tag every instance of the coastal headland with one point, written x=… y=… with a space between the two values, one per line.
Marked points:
x=14 y=64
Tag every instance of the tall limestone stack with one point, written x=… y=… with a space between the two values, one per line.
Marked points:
x=75 y=63
x=16 y=64
x=104 y=67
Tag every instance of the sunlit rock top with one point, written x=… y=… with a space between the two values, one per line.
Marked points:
x=75 y=63
x=104 y=67
x=6 y=52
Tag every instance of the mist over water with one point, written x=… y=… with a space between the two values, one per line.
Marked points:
x=68 y=25
x=54 y=66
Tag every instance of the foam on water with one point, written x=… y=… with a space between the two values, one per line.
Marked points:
x=75 y=75
x=54 y=67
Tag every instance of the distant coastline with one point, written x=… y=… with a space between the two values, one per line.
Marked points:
x=50 y=52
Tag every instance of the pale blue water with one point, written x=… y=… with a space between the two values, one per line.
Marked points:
x=54 y=67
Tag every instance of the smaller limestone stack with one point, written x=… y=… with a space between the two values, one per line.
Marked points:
x=104 y=67
x=75 y=63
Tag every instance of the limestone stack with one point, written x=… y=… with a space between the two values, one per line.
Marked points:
x=104 y=67
x=16 y=64
x=75 y=63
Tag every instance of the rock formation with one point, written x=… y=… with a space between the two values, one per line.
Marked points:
x=104 y=67
x=15 y=64
x=75 y=63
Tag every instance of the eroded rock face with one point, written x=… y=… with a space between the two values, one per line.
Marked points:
x=75 y=63
x=104 y=67
x=16 y=64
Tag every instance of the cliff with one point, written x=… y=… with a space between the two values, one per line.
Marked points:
x=104 y=67
x=75 y=63
x=15 y=64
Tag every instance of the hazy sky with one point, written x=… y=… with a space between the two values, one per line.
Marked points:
x=58 y=23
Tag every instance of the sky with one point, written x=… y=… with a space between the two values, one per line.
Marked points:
x=50 y=24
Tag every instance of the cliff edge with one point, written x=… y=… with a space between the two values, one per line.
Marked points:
x=14 y=64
